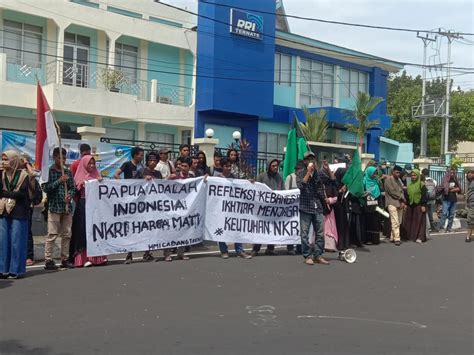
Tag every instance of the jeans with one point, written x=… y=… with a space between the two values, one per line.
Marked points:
x=31 y=247
x=239 y=248
x=448 y=213
x=13 y=245
x=317 y=221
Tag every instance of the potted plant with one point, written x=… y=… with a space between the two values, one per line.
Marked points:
x=112 y=79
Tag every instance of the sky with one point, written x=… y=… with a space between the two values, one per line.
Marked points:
x=455 y=15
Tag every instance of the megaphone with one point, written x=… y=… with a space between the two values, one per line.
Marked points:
x=348 y=255
x=382 y=212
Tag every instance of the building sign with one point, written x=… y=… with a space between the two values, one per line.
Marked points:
x=246 y=24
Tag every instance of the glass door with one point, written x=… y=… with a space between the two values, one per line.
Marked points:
x=76 y=60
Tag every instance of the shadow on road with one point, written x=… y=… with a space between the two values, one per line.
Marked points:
x=15 y=347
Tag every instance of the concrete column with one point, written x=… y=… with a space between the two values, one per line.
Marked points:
x=60 y=54
x=91 y=134
x=298 y=81
x=98 y=121
x=182 y=63
x=154 y=90
x=111 y=55
x=3 y=67
x=364 y=158
x=423 y=163
x=207 y=145
x=141 y=133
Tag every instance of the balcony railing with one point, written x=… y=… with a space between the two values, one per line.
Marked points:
x=89 y=75
x=26 y=72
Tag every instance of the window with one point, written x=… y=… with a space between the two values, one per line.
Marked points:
x=186 y=136
x=353 y=81
x=120 y=133
x=162 y=140
x=126 y=58
x=316 y=84
x=22 y=43
x=282 y=69
x=271 y=142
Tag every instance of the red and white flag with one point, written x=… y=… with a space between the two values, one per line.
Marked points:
x=46 y=134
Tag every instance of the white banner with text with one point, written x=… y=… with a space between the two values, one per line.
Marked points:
x=136 y=215
x=245 y=212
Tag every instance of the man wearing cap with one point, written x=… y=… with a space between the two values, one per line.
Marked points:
x=312 y=194
x=165 y=166
x=274 y=181
x=395 y=202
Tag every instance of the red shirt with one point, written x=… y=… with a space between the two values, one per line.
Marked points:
x=73 y=167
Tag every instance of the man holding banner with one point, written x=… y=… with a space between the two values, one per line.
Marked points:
x=273 y=180
x=311 y=210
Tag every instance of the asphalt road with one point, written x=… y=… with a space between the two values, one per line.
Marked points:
x=413 y=299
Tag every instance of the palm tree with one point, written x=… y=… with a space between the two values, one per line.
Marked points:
x=364 y=106
x=316 y=126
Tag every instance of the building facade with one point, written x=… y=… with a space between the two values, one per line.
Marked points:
x=124 y=66
x=254 y=76
x=146 y=72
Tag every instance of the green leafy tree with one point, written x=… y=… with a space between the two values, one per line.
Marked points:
x=404 y=92
x=364 y=106
x=316 y=127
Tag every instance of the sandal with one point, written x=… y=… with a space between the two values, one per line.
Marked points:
x=168 y=258
x=29 y=262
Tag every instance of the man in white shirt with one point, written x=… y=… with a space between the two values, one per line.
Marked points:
x=165 y=166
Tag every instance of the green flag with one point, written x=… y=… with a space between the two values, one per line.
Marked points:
x=295 y=148
x=353 y=178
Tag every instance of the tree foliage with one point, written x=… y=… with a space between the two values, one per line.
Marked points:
x=404 y=92
x=364 y=106
x=316 y=127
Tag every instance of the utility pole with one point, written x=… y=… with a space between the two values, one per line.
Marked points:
x=445 y=142
x=424 y=119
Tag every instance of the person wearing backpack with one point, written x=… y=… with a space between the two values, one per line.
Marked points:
x=432 y=196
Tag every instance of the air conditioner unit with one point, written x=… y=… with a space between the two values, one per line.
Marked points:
x=164 y=100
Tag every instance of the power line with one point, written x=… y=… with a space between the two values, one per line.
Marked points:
x=181 y=74
x=369 y=57
x=316 y=47
x=400 y=29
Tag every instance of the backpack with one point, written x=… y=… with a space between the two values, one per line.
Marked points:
x=431 y=187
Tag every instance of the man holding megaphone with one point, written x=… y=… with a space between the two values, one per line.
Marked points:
x=312 y=195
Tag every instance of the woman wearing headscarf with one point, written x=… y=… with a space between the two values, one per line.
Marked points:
x=341 y=212
x=414 y=222
x=372 y=218
x=86 y=170
x=15 y=185
x=451 y=187
x=330 y=228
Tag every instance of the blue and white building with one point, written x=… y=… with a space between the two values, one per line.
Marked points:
x=145 y=71
x=254 y=75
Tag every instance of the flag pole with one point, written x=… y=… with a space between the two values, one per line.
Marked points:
x=58 y=130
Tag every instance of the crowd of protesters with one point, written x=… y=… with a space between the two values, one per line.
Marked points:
x=331 y=217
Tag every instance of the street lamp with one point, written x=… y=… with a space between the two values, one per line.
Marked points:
x=209 y=133
x=236 y=135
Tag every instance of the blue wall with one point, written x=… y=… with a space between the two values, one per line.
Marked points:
x=245 y=61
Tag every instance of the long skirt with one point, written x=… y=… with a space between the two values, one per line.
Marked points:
x=342 y=224
x=372 y=227
x=78 y=237
x=330 y=232
x=414 y=224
